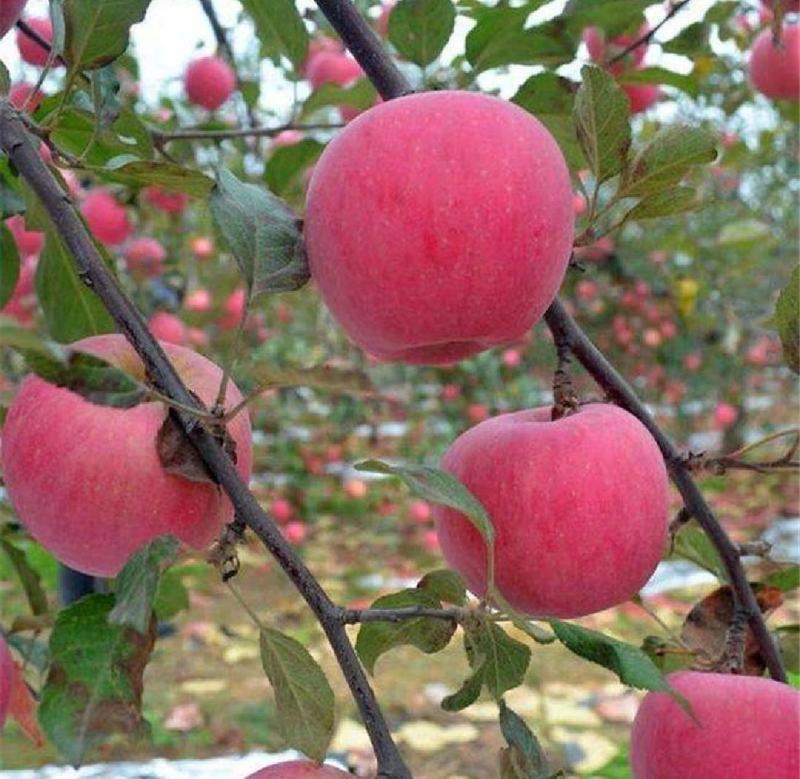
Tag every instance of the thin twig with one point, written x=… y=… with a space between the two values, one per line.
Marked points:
x=353 y=616
x=93 y=272
x=190 y=134
x=648 y=36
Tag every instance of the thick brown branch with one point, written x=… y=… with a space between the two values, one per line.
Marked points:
x=564 y=327
x=93 y=271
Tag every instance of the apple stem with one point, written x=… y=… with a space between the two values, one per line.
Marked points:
x=565 y=398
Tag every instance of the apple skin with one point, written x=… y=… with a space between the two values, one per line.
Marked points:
x=30 y=51
x=641 y=96
x=86 y=480
x=7 y=672
x=10 y=11
x=330 y=67
x=22 y=305
x=28 y=241
x=749 y=728
x=106 y=218
x=429 y=252
x=168 y=327
x=579 y=508
x=145 y=256
x=164 y=200
x=209 y=82
x=23 y=92
x=775 y=72
x=299 y=769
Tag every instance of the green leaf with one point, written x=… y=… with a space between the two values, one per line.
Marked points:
x=503 y=660
x=446 y=585
x=360 y=95
x=168 y=175
x=551 y=99
x=427 y=634
x=97 y=30
x=286 y=163
x=786 y=579
x=278 y=22
x=262 y=233
x=304 y=698
x=441 y=487
x=420 y=29
x=466 y=695
x=691 y=543
x=524 y=758
x=28 y=577
x=667 y=158
x=745 y=234
x=5 y=80
x=9 y=265
x=94 y=687
x=172 y=597
x=137 y=583
x=690 y=41
x=611 y=16
x=601 y=121
x=629 y=663
x=675 y=200
x=787 y=319
x=326 y=377
x=687 y=83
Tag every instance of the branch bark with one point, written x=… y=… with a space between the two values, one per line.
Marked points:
x=96 y=275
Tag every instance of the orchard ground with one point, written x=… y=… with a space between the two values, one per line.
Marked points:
x=204 y=690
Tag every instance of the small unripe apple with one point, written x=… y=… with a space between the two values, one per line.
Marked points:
x=28 y=241
x=23 y=94
x=7 y=673
x=168 y=327
x=427 y=253
x=164 y=200
x=198 y=300
x=641 y=96
x=30 y=51
x=87 y=481
x=744 y=727
x=209 y=82
x=299 y=769
x=579 y=508
x=145 y=256
x=775 y=70
x=106 y=218
x=10 y=11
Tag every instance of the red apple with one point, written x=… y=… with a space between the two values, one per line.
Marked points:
x=209 y=82
x=316 y=46
x=197 y=337
x=86 y=480
x=579 y=204
x=299 y=769
x=579 y=507
x=10 y=11
x=168 y=327
x=420 y=511
x=512 y=358
x=641 y=96
x=145 y=256
x=725 y=415
x=164 y=200
x=23 y=94
x=477 y=412
x=234 y=310
x=7 y=673
x=744 y=727
x=775 y=70
x=602 y=50
x=355 y=488
x=22 y=304
x=202 y=247
x=693 y=361
x=451 y=392
x=198 y=300
x=281 y=510
x=330 y=67
x=106 y=218
x=431 y=252
x=28 y=241
x=287 y=138
x=295 y=532
x=30 y=51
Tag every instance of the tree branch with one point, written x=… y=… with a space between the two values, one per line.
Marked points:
x=353 y=616
x=366 y=47
x=94 y=273
x=190 y=134
x=563 y=326
x=650 y=34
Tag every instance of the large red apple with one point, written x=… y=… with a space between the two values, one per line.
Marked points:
x=746 y=728
x=106 y=218
x=30 y=51
x=87 y=480
x=209 y=82
x=775 y=70
x=10 y=11
x=579 y=507
x=7 y=672
x=439 y=225
x=299 y=769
